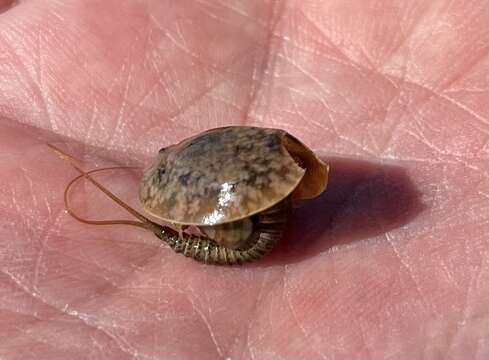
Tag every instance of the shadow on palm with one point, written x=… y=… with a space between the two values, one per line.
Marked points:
x=363 y=200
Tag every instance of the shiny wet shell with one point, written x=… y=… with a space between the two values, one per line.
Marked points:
x=220 y=176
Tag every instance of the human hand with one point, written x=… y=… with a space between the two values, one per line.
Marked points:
x=390 y=263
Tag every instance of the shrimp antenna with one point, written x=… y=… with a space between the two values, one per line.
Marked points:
x=145 y=222
x=96 y=222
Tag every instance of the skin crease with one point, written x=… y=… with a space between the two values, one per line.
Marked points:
x=399 y=83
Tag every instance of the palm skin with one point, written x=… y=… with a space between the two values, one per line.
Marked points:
x=390 y=263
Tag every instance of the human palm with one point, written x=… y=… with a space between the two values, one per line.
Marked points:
x=390 y=263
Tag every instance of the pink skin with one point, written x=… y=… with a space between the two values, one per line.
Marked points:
x=391 y=263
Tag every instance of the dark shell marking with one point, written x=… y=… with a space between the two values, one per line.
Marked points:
x=220 y=176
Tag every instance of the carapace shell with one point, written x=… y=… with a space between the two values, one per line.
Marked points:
x=229 y=182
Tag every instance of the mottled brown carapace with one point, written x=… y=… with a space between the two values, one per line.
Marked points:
x=220 y=179
x=234 y=184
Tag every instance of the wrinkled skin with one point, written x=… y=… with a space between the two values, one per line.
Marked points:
x=390 y=263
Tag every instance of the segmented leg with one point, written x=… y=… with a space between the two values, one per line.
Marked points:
x=269 y=230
